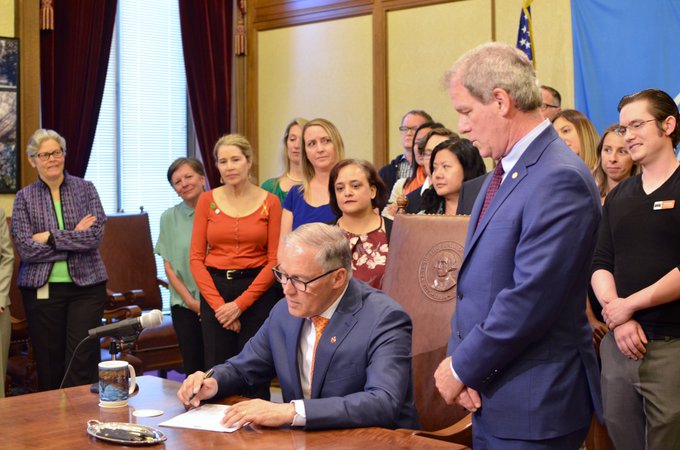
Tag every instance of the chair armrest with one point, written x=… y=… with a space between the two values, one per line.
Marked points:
x=121 y=313
x=135 y=296
x=19 y=329
x=115 y=300
x=458 y=433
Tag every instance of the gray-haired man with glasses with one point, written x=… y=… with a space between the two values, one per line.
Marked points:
x=340 y=349
x=400 y=167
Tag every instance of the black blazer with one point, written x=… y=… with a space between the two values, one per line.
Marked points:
x=468 y=194
x=415 y=200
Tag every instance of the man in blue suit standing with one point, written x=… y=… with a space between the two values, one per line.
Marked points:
x=520 y=354
x=340 y=349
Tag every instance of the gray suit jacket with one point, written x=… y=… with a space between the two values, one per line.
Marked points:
x=6 y=261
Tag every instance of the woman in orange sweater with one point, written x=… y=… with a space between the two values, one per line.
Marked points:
x=233 y=250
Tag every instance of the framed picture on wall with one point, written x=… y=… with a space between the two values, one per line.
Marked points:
x=9 y=114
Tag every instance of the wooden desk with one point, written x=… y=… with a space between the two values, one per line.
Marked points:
x=58 y=420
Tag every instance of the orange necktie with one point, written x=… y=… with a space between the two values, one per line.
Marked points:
x=319 y=325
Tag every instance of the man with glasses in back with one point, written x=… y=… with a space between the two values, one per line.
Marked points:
x=636 y=277
x=340 y=349
x=551 y=102
x=400 y=167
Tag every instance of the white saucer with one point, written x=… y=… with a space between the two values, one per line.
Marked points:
x=147 y=413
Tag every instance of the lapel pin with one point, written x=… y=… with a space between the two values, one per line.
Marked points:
x=333 y=340
x=514 y=175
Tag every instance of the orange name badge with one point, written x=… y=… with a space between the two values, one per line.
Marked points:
x=665 y=204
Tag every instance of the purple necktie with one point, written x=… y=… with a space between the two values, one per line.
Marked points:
x=496 y=179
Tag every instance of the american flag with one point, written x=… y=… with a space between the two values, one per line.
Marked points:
x=525 y=36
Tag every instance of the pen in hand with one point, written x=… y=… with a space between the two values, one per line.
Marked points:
x=208 y=374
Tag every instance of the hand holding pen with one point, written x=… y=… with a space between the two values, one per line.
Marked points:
x=198 y=386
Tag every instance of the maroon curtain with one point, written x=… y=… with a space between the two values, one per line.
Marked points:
x=207 y=40
x=73 y=62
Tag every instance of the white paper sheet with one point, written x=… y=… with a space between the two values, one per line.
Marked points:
x=205 y=417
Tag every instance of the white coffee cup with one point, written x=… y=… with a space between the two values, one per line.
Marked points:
x=115 y=386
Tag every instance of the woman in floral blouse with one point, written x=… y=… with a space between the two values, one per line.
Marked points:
x=356 y=195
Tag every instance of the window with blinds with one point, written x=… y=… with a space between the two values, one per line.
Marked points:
x=142 y=124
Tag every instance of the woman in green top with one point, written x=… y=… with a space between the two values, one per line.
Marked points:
x=292 y=145
x=187 y=177
x=57 y=225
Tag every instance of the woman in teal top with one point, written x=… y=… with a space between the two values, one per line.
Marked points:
x=187 y=177
x=292 y=144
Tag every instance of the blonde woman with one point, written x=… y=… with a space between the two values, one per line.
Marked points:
x=292 y=150
x=579 y=134
x=322 y=147
x=233 y=250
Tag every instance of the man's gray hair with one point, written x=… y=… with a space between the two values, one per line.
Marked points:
x=497 y=65
x=41 y=135
x=330 y=241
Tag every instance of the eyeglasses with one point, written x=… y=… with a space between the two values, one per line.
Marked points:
x=405 y=129
x=297 y=283
x=545 y=106
x=45 y=156
x=632 y=127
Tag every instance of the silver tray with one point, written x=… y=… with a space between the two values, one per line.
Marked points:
x=124 y=433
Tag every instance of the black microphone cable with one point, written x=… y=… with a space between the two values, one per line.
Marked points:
x=70 y=363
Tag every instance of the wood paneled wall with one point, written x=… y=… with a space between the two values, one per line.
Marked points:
x=271 y=14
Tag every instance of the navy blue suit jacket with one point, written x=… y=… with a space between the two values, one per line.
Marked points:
x=362 y=371
x=520 y=334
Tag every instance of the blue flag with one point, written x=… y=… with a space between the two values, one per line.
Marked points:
x=621 y=48
x=525 y=38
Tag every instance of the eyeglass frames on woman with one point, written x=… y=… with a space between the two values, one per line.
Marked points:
x=633 y=127
x=45 y=156
x=298 y=284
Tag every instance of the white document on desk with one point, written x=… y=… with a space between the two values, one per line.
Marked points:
x=205 y=417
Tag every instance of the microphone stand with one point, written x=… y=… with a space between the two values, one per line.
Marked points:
x=117 y=345
x=122 y=343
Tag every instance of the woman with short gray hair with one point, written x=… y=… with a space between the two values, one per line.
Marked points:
x=57 y=225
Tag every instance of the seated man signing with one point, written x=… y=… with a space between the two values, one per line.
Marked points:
x=357 y=374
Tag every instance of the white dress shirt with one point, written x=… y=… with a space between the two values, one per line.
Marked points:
x=304 y=356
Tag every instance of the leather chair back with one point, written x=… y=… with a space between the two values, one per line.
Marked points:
x=127 y=252
x=425 y=255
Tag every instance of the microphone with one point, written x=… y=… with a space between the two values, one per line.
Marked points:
x=128 y=326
